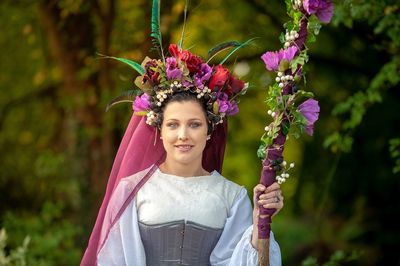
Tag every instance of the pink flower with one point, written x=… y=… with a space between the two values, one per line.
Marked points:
x=323 y=9
x=272 y=60
x=141 y=103
x=310 y=110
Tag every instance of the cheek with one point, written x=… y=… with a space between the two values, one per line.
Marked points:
x=168 y=136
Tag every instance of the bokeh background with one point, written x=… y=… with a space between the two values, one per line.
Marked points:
x=57 y=142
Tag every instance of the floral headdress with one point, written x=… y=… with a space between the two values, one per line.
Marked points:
x=182 y=71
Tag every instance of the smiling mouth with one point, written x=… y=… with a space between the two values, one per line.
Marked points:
x=183 y=148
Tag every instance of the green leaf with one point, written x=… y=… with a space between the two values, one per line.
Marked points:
x=261 y=152
x=285 y=128
x=132 y=64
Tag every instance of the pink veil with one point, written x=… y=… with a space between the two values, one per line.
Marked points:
x=141 y=149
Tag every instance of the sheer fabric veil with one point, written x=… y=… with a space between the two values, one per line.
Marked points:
x=140 y=153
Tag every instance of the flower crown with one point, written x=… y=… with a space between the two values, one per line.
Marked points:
x=183 y=71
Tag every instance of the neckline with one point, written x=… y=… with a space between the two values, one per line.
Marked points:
x=212 y=174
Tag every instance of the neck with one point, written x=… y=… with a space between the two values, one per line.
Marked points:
x=184 y=170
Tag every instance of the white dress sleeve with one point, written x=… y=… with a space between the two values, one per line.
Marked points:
x=123 y=246
x=234 y=246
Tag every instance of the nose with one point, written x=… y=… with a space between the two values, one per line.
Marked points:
x=182 y=134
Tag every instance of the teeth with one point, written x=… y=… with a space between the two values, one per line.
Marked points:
x=184 y=147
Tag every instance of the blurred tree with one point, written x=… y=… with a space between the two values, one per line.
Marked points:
x=58 y=144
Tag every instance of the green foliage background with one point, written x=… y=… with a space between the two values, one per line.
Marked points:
x=57 y=143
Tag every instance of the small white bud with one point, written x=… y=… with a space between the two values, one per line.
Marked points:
x=281 y=85
x=291 y=165
x=277 y=79
x=273 y=114
x=284 y=163
x=287 y=44
x=269 y=112
x=280 y=74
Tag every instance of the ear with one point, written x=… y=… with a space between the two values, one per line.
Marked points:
x=208 y=137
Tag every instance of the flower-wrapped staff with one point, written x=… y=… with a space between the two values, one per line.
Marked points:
x=284 y=97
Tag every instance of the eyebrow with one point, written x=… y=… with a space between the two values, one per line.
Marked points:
x=191 y=119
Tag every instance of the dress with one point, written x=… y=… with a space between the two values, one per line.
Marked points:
x=207 y=201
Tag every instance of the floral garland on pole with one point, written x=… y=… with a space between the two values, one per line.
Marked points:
x=283 y=100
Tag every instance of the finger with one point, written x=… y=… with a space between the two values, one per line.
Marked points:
x=259 y=188
x=267 y=195
x=276 y=205
x=273 y=187
x=268 y=201
x=272 y=194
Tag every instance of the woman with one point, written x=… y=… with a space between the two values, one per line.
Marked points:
x=166 y=203
x=213 y=213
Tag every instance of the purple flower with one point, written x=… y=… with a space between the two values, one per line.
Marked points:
x=323 y=9
x=226 y=106
x=141 y=103
x=172 y=70
x=310 y=110
x=273 y=59
x=202 y=75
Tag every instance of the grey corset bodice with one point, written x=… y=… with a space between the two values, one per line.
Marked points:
x=178 y=243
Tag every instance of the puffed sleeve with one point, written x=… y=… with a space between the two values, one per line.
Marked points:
x=234 y=246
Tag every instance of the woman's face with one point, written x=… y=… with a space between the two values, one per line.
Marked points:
x=184 y=132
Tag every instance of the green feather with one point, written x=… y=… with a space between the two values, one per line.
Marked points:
x=128 y=96
x=130 y=63
x=155 y=26
x=237 y=48
x=184 y=24
x=221 y=47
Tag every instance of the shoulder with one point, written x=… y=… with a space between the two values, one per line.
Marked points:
x=228 y=189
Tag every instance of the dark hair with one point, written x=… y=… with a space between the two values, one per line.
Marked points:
x=188 y=96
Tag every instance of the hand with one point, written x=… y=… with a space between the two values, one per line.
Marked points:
x=270 y=197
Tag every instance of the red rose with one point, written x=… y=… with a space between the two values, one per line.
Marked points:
x=237 y=85
x=184 y=55
x=218 y=79
x=174 y=50
x=194 y=63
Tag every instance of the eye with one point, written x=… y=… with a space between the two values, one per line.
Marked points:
x=172 y=125
x=195 y=124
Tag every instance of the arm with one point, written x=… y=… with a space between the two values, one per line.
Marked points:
x=234 y=246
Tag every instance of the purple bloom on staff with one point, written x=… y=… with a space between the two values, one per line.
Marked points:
x=202 y=76
x=172 y=70
x=273 y=59
x=141 y=103
x=310 y=110
x=323 y=9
